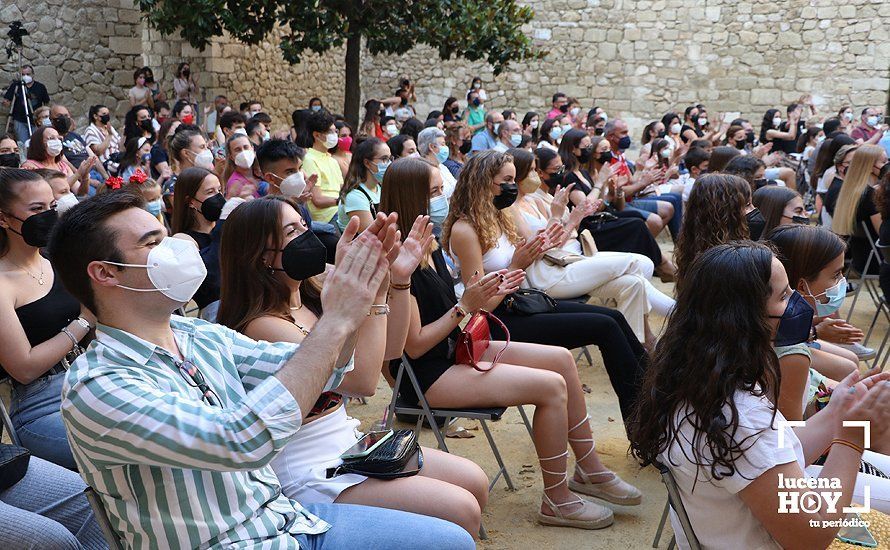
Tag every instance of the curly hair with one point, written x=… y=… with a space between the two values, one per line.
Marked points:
x=472 y=201
x=718 y=335
x=714 y=215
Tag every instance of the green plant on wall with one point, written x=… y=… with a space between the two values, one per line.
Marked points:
x=489 y=30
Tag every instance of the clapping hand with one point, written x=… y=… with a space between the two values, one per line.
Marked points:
x=527 y=252
x=560 y=200
x=383 y=228
x=479 y=290
x=412 y=250
x=349 y=289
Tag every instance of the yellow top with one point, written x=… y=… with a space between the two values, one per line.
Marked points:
x=330 y=180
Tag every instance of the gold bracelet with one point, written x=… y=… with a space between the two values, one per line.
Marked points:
x=846 y=443
x=397 y=286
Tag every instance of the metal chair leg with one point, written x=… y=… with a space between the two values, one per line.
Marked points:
x=528 y=425
x=497 y=457
x=664 y=516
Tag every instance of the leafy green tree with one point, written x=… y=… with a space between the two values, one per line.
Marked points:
x=472 y=29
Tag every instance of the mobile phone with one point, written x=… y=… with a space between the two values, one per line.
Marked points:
x=366 y=444
x=887 y=120
x=858 y=535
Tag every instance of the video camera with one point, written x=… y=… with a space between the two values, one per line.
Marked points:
x=15 y=34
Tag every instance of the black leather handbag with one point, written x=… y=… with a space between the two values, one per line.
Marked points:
x=388 y=461
x=13 y=465
x=528 y=301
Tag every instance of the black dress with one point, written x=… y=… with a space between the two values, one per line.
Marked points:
x=859 y=245
x=571 y=326
x=208 y=292
x=628 y=233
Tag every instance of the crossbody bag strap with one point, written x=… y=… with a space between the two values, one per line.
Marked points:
x=370 y=201
x=500 y=323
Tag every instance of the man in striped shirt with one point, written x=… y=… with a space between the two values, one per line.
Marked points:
x=174 y=421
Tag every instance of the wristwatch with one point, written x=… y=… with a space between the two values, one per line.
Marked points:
x=83 y=323
x=459 y=311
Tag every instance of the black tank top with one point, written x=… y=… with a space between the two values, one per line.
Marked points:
x=45 y=317
x=434 y=291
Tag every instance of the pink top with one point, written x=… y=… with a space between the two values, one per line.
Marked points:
x=61 y=166
x=237 y=184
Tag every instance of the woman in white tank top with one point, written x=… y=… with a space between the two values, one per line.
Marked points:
x=620 y=276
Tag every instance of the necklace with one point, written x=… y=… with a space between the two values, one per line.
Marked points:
x=301 y=327
x=38 y=278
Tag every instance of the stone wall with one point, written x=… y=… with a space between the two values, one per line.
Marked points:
x=636 y=58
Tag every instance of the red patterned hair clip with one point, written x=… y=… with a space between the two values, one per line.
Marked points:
x=138 y=177
x=114 y=182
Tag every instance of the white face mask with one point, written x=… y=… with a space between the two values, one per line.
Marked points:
x=566 y=128
x=53 y=147
x=293 y=185
x=605 y=117
x=204 y=159
x=175 y=268
x=156 y=125
x=239 y=132
x=534 y=124
x=392 y=130
x=27 y=79
x=776 y=122
x=330 y=141
x=676 y=127
x=702 y=121
x=245 y=158
x=575 y=111
x=65 y=202
x=848 y=116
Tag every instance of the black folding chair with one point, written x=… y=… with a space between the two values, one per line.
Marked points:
x=866 y=280
x=674 y=501
x=423 y=411
x=111 y=537
x=5 y=420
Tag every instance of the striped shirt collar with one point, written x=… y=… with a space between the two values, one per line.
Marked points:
x=138 y=349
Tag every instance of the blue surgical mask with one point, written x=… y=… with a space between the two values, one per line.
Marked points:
x=835 y=295
x=515 y=140
x=442 y=154
x=624 y=143
x=381 y=170
x=795 y=324
x=316 y=108
x=555 y=132
x=438 y=210
x=154 y=207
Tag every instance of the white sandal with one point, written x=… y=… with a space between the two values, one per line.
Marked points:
x=588 y=516
x=615 y=490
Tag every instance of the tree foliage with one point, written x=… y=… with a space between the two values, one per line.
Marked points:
x=489 y=30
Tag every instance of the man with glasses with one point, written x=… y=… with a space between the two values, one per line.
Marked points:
x=173 y=421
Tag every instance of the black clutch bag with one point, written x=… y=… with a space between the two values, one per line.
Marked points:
x=528 y=301
x=13 y=465
x=388 y=461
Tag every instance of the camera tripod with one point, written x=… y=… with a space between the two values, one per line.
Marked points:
x=16 y=32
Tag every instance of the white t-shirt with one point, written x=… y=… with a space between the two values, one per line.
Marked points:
x=719 y=517
x=449 y=182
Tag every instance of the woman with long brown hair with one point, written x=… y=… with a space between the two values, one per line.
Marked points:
x=482 y=238
x=360 y=194
x=197 y=205
x=715 y=214
x=270 y=261
x=526 y=373
x=855 y=203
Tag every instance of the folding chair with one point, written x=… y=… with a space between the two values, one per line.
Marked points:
x=6 y=421
x=866 y=280
x=674 y=501
x=424 y=411
x=882 y=252
x=111 y=537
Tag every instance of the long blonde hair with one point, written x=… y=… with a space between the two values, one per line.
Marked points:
x=856 y=179
x=472 y=201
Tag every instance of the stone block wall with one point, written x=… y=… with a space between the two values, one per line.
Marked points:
x=636 y=58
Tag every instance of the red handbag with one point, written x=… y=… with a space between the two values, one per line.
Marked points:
x=474 y=340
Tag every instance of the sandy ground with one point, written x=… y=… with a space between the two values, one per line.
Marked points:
x=510 y=515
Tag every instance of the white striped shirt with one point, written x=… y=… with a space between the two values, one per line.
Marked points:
x=172 y=470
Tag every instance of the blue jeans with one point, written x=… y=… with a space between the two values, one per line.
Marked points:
x=21 y=132
x=37 y=417
x=371 y=528
x=47 y=509
x=650 y=204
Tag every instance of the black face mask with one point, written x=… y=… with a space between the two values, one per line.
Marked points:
x=584 y=157
x=661 y=134
x=605 y=157
x=509 y=192
x=740 y=145
x=756 y=223
x=211 y=208
x=186 y=73
x=598 y=131
x=104 y=119
x=564 y=108
x=61 y=124
x=796 y=323
x=36 y=228
x=455 y=110
x=761 y=182
x=555 y=180
x=9 y=160
x=802 y=220
x=466 y=146
x=404 y=101
x=476 y=102
x=303 y=257
x=749 y=137
x=147 y=125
